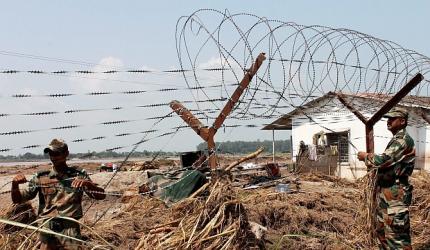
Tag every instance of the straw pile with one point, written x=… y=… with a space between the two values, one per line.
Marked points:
x=420 y=211
x=320 y=220
x=329 y=217
x=12 y=236
x=218 y=221
x=124 y=228
x=328 y=213
x=23 y=213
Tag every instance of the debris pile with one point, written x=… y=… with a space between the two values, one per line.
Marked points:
x=124 y=229
x=151 y=164
x=215 y=221
x=306 y=220
x=139 y=166
x=325 y=212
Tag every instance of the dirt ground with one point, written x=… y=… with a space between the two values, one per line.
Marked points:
x=322 y=212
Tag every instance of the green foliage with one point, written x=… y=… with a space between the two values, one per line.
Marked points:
x=88 y=155
x=232 y=147
x=244 y=147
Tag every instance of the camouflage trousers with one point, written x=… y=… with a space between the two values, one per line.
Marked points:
x=393 y=228
x=62 y=226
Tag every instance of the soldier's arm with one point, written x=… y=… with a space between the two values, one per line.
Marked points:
x=28 y=193
x=393 y=154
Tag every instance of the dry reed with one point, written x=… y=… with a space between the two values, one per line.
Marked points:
x=217 y=221
x=331 y=214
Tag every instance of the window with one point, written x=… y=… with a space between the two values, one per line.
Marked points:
x=340 y=140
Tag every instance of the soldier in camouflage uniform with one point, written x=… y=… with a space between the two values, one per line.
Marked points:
x=394 y=166
x=60 y=195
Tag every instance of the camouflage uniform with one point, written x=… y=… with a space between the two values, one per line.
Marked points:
x=394 y=192
x=58 y=198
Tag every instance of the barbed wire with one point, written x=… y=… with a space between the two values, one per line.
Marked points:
x=14 y=71
x=103 y=93
x=98 y=138
x=116 y=108
x=304 y=64
x=304 y=61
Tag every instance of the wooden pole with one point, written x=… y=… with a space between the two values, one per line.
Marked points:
x=370 y=142
x=208 y=134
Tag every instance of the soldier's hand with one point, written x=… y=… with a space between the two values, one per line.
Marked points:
x=19 y=179
x=361 y=155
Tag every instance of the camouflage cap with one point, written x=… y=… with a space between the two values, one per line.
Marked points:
x=56 y=145
x=397 y=112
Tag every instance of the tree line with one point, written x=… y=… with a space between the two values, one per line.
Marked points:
x=228 y=147
x=88 y=155
x=244 y=147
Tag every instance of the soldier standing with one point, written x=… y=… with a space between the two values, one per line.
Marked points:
x=60 y=195
x=394 y=192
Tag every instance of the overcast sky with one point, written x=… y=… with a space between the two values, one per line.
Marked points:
x=103 y=35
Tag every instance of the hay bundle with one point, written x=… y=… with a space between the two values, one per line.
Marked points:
x=22 y=212
x=420 y=211
x=218 y=222
x=12 y=236
x=370 y=200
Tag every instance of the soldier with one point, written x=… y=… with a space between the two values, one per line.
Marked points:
x=60 y=195
x=394 y=192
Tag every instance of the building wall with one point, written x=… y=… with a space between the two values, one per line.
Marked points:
x=416 y=134
x=425 y=141
x=303 y=129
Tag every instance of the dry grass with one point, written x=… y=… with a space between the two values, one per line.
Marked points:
x=319 y=220
x=12 y=236
x=329 y=213
x=218 y=221
x=333 y=216
x=420 y=211
x=124 y=229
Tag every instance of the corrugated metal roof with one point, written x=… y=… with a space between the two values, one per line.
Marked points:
x=376 y=99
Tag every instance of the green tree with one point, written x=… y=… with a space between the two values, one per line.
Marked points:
x=244 y=147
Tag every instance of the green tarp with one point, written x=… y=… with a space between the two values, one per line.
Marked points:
x=177 y=187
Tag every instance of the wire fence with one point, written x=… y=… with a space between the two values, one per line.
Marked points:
x=304 y=64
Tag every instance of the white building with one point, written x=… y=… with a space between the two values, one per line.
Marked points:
x=344 y=129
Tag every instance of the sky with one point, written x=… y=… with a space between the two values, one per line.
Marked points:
x=103 y=35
